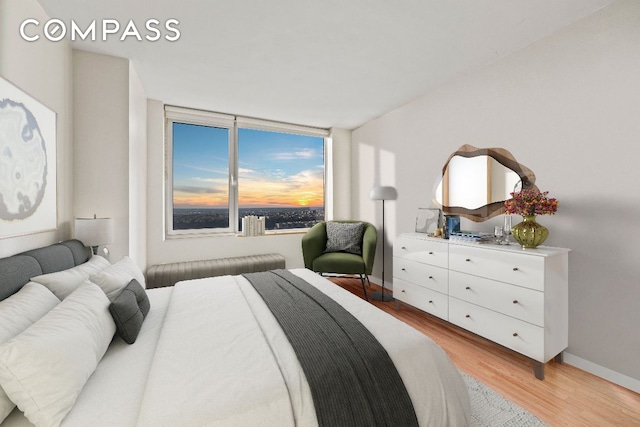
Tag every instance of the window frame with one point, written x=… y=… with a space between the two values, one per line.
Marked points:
x=233 y=123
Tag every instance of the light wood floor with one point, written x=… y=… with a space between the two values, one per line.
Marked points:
x=567 y=397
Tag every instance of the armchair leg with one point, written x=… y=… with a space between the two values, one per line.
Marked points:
x=364 y=288
x=361 y=276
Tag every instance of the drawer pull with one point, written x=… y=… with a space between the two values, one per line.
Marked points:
x=515 y=268
x=515 y=334
x=403 y=291
x=404 y=269
x=430 y=253
x=430 y=277
x=430 y=302
x=468 y=259
x=515 y=301
x=467 y=316
x=468 y=288
x=404 y=247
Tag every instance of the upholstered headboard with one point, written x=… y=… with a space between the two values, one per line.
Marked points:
x=17 y=270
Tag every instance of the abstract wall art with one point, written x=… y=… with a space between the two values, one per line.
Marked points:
x=28 y=199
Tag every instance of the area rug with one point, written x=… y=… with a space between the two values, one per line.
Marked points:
x=490 y=409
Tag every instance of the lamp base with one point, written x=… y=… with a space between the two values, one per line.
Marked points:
x=102 y=251
x=381 y=296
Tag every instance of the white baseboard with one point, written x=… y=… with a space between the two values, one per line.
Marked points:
x=602 y=372
x=573 y=360
x=378 y=281
x=375 y=280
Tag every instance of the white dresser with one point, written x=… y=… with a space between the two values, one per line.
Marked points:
x=514 y=297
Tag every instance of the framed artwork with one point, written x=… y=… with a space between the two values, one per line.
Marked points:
x=428 y=220
x=28 y=199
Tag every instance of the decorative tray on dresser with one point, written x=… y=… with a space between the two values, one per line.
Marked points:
x=514 y=297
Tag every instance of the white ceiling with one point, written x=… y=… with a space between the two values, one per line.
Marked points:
x=327 y=63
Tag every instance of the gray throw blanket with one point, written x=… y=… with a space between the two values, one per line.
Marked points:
x=352 y=378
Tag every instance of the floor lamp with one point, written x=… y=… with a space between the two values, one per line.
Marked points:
x=382 y=193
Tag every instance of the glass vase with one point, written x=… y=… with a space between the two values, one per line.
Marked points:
x=507 y=230
x=529 y=234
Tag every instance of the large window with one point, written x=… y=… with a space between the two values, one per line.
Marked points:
x=200 y=177
x=222 y=168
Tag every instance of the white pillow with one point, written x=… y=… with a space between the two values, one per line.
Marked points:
x=114 y=278
x=44 y=369
x=24 y=308
x=17 y=313
x=62 y=283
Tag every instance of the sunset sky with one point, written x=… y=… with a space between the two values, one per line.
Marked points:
x=275 y=169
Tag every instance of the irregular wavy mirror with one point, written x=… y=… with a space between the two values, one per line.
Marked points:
x=476 y=182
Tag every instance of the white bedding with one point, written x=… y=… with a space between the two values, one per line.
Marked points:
x=210 y=353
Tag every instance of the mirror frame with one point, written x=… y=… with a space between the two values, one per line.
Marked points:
x=502 y=156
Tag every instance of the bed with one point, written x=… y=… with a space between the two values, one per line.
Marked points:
x=208 y=352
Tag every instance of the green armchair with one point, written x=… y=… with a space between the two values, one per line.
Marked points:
x=314 y=243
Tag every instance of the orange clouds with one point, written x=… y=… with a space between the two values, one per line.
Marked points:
x=303 y=189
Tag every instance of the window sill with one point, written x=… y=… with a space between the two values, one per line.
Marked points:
x=215 y=235
x=278 y=233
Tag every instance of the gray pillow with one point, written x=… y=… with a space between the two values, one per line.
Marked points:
x=344 y=237
x=129 y=309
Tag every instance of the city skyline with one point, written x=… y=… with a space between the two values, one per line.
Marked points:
x=276 y=218
x=274 y=169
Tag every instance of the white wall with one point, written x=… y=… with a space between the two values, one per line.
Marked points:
x=339 y=175
x=43 y=70
x=101 y=124
x=110 y=133
x=101 y=135
x=137 y=170
x=567 y=107
x=375 y=162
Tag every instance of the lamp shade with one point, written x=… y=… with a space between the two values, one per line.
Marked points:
x=94 y=231
x=383 y=193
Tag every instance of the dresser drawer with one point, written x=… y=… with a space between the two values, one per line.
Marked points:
x=426 y=251
x=515 y=301
x=515 y=334
x=425 y=299
x=425 y=275
x=510 y=267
